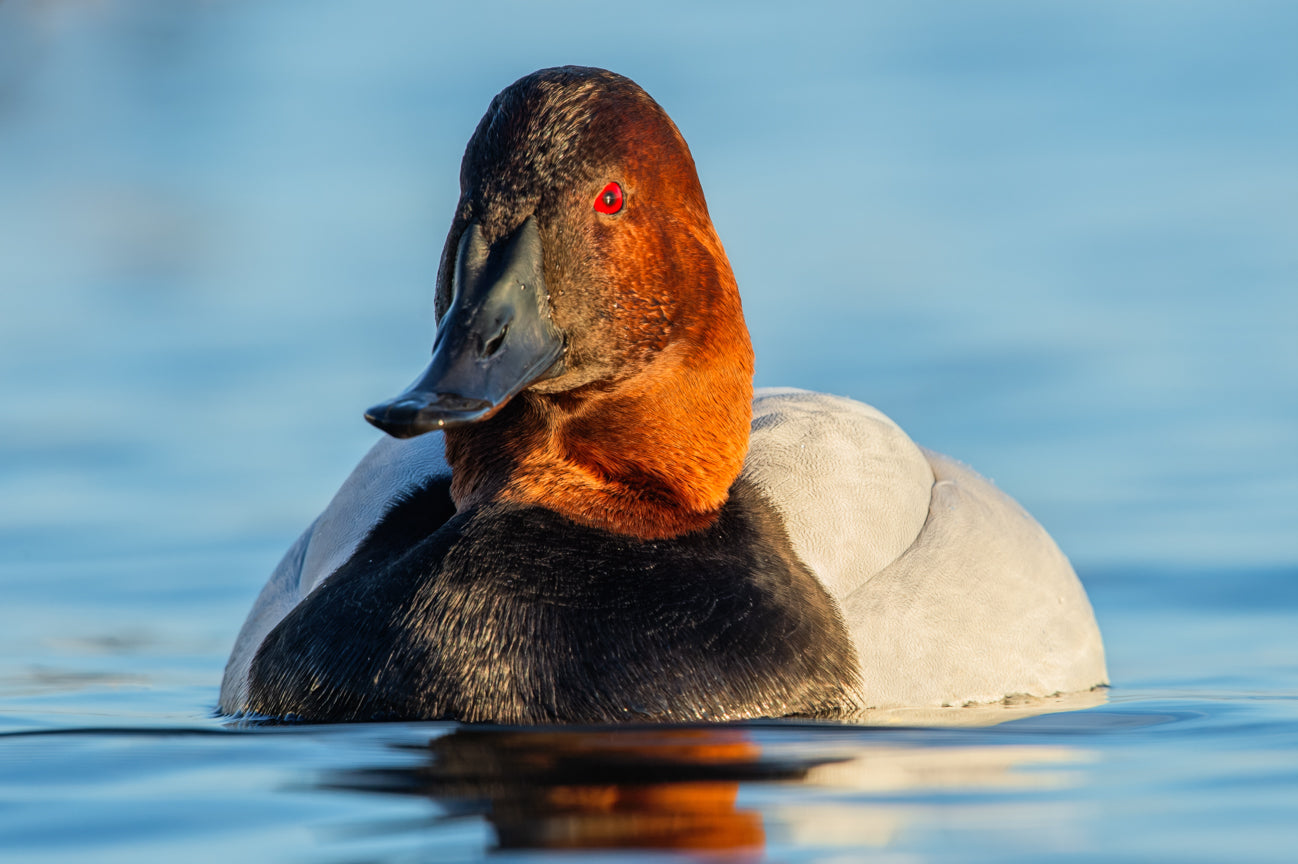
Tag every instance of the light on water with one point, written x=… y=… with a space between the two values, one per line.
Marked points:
x=1058 y=243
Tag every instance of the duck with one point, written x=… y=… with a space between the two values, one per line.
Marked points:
x=582 y=512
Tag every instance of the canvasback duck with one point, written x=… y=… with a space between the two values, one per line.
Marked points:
x=582 y=512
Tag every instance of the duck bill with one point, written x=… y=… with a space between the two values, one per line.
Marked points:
x=496 y=338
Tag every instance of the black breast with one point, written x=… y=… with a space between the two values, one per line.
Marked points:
x=515 y=614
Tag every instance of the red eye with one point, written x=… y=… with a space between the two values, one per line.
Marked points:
x=609 y=200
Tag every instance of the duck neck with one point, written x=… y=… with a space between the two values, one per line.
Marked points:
x=652 y=457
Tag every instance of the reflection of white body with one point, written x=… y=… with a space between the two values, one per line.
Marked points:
x=951 y=592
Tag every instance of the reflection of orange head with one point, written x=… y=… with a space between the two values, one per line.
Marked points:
x=683 y=815
x=697 y=816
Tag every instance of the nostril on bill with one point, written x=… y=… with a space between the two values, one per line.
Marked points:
x=492 y=345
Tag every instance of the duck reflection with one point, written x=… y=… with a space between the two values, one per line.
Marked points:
x=679 y=789
x=661 y=788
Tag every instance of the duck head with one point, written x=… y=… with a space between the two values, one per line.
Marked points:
x=591 y=354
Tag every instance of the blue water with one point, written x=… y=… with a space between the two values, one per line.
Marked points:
x=1058 y=242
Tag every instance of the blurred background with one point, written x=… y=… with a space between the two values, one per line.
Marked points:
x=1059 y=243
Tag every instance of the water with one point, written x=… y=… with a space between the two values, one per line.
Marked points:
x=1061 y=244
